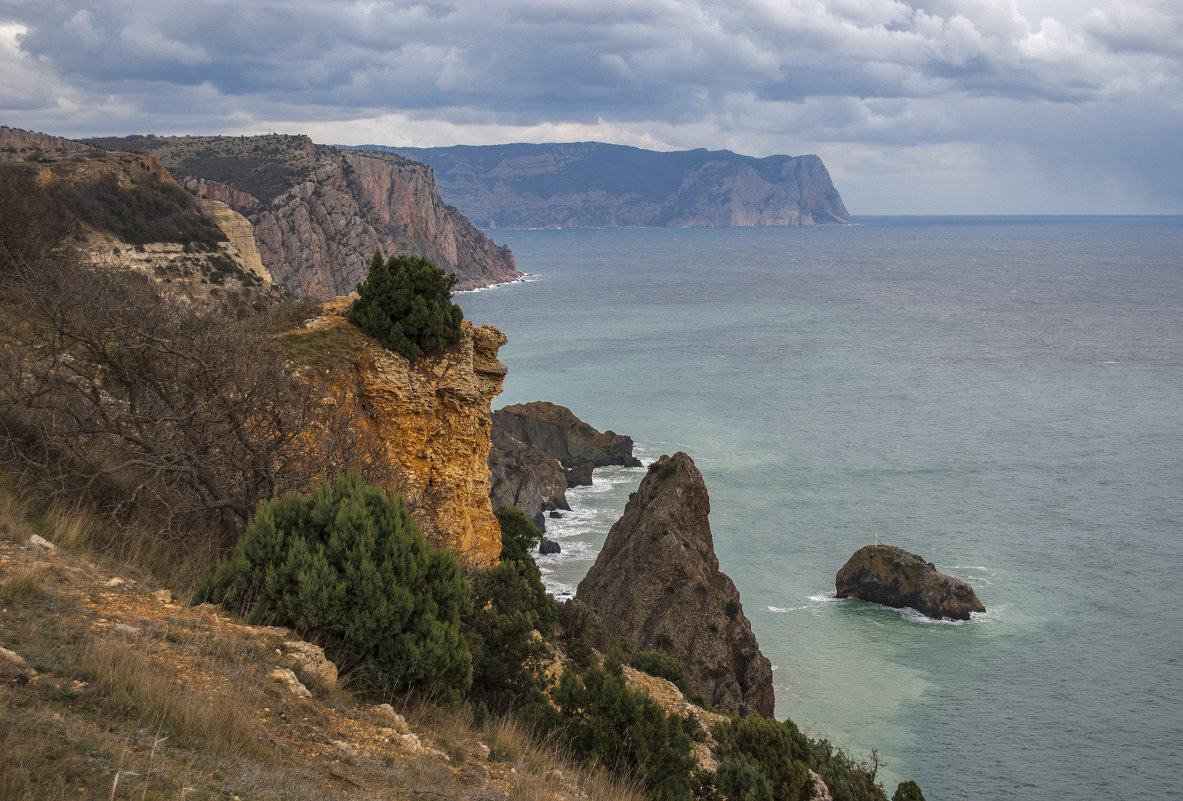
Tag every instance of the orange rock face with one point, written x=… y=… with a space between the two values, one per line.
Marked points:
x=432 y=420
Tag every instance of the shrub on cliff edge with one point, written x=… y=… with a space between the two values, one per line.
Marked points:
x=348 y=567
x=406 y=303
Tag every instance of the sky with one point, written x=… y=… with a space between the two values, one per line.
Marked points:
x=915 y=106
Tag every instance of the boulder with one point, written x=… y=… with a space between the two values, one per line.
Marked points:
x=885 y=574
x=548 y=547
x=312 y=661
x=657 y=583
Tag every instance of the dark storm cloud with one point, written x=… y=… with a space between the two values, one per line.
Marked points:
x=758 y=76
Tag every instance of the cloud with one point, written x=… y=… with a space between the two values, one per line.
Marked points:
x=758 y=76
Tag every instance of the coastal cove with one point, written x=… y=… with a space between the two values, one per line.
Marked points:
x=1001 y=395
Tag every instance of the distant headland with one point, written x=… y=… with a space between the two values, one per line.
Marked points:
x=597 y=185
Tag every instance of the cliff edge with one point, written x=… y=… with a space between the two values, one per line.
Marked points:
x=657 y=583
x=430 y=420
x=598 y=185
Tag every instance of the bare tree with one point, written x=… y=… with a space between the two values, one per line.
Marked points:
x=148 y=402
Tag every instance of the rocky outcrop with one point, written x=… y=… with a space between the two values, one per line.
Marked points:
x=430 y=420
x=555 y=430
x=526 y=477
x=319 y=212
x=657 y=583
x=885 y=574
x=596 y=185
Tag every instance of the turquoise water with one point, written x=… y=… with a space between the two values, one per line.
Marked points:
x=1001 y=395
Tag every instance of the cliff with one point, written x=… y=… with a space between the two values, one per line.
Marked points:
x=526 y=477
x=885 y=574
x=540 y=449
x=596 y=185
x=556 y=431
x=657 y=583
x=319 y=212
x=430 y=420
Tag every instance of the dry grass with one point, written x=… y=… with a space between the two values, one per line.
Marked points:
x=128 y=684
x=124 y=698
x=20 y=586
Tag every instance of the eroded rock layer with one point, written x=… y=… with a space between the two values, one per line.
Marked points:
x=555 y=430
x=657 y=583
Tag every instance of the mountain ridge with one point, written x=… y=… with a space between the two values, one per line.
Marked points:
x=600 y=185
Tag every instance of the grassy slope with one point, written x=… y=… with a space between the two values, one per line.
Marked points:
x=122 y=695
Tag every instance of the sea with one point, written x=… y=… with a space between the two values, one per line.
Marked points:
x=1002 y=395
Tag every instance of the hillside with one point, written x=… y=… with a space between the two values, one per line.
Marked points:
x=112 y=688
x=126 y=212
x=319 y=212
x=596 y=185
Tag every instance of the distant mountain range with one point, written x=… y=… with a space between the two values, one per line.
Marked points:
x=596 y=185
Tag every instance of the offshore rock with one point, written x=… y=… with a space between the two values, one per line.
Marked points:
x=885 y=574
x=555 y=430
x=657 y=583
x=319 y=212
x=431 y=422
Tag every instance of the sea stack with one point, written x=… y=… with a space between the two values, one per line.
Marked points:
x=885 y=574
x=657 y=583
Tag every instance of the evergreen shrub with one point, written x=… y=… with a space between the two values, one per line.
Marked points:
x=627 y=732
x=510 y=603
x=347 y=567
x=907 y=791
x=406 y=303
x=770 y=747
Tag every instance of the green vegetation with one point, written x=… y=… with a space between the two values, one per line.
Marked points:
x=406 y=303
x=149 y=210
x=768 y=747
x=348 y=566
x=510 y=604
x=757 y=753
x=664 y=666
x=627 y=732
x=907 y=791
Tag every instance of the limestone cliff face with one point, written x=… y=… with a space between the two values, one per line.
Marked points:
x=596 y=185
x=657 y=583
x=432 y=421
x=319 y=212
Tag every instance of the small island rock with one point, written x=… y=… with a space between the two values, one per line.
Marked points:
x=885 y=574
x=548 y=547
